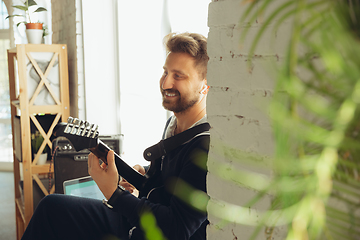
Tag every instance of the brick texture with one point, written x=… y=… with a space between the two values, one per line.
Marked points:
x=237 y=109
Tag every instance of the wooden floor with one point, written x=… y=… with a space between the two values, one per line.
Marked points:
x=7 y=206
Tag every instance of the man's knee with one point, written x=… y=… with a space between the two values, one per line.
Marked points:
x=50 y=201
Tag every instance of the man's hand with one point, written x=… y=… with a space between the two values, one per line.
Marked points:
x=105 y=176
x=130 y=187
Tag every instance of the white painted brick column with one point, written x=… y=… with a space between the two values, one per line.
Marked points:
x=237 y=110
x=67 y=29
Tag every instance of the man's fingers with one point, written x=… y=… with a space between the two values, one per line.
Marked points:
x=111 y=163
x=93 y=162
x=123 y=180
x=103 y=165
x=127 y=186
x=110 y=158
x=140 y=169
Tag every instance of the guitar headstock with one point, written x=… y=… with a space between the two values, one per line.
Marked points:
x=81 y=134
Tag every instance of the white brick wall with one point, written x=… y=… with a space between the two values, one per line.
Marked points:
x=237 y=109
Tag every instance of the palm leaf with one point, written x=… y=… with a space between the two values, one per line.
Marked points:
x=316 y=126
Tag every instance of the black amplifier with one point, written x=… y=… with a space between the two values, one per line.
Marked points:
x=69 y=164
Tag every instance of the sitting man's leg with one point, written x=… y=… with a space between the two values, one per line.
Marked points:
x=67 y=217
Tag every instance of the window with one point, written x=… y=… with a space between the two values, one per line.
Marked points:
x=5 y=115
x=4 y=24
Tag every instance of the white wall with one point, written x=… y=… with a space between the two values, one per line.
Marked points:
x=141 y=60
x=100 y=65
x=189 y=16
x=237 y=112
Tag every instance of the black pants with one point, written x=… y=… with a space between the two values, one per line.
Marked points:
x=67 y=217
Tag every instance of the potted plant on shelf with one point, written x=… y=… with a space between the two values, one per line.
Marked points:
x=34 y=30
x=36 y=141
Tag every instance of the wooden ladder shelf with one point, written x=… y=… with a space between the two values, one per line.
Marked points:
x=25 y=106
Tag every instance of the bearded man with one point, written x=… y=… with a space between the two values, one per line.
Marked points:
x=183 y=86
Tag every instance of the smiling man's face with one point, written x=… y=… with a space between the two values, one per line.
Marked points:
x=180 y=83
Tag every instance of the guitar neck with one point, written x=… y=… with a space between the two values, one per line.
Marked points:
x=124 y=170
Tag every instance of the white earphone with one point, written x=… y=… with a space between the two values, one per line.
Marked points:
x=206 y=87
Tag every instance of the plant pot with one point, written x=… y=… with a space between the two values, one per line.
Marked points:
x=42 y=159
x=34 y=33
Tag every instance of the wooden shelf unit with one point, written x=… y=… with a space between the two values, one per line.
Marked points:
x=22 y=105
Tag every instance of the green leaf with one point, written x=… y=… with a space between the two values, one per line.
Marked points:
x=24 y=8
x=40 y=9
x=21 y=23
x=316 y=112
x=15 y=15
x=266 y=23
x=150 y=227
x=31 y=3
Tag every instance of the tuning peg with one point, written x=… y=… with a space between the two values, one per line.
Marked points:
x=85 y=128
x=69 y=121
x=89 y=132
x=95 y=131
x=80 y=127
x=76 y=121
x=76 y=124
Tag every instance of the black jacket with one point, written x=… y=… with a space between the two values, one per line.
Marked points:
x=176 y=218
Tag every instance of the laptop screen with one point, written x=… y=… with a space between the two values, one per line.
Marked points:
x=83 y=187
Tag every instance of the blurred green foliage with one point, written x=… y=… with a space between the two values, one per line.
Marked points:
x=315 y=115
x=150 y=227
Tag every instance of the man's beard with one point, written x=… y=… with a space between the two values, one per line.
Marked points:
x=181 y=104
